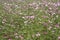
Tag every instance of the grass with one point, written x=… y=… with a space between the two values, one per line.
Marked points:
x=28 y=23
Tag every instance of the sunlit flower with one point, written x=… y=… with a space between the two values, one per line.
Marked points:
x=50 y=8
x=50 y=28
x=38 y=34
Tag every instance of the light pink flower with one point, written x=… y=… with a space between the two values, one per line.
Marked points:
x=32 y=17
x=9 y=39
x=59 y=37
x=58 y=3
x=57 y=25
x=38 y=34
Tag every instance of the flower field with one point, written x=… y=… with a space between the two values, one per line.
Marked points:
x=29 y=19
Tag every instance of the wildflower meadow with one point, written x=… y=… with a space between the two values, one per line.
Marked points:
x=29 y=19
